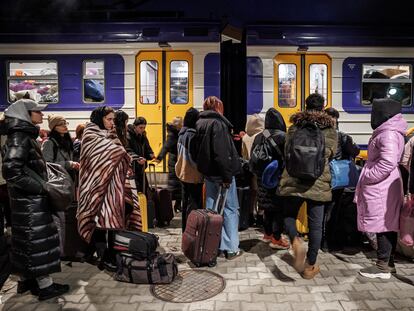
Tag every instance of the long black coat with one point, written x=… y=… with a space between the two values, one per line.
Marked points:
x=170 y=147
x=35 y=240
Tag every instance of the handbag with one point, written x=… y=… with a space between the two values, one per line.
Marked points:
x=407 y=221
x=59 y=186
x=344 y=174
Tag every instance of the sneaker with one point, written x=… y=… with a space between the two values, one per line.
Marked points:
x=26 y=285
x=299 y=253
x=391 y=265
x=310 y=271
x=279 y=244
x=52 y=291
x=233 y=255
x=267 y=238
x=376 y=272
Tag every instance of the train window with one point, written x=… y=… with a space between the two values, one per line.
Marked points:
x=179 y=82
x=380 y=80
x=318 y=80
x=37 y=80
x=287 y=85
x=148 y=87
x=93 y=81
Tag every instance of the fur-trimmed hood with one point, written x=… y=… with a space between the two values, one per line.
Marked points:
x=320 y=117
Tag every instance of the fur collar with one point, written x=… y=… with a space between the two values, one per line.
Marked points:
x=320 y=117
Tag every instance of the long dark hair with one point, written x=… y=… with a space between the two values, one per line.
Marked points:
x=121 y=131
x=98 y=114
x=65 y=141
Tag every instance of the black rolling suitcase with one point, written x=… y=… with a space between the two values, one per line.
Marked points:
x=72 y=246
x=245 y=197
x=162 y=200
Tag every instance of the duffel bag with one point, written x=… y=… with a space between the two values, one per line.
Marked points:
x=141 y=245
x=161 y=269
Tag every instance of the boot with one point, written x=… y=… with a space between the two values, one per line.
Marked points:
x=52 y=291
x=310 y=271
x=391 y=265
x=299 y=254
x=26 y=285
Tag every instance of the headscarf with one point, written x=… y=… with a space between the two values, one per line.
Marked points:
x=383 y=110
x=191 y=117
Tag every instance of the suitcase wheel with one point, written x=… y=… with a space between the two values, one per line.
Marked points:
x=212 y=263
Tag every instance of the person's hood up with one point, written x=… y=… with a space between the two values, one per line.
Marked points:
x=396 y=123
x=254 y=124
x=319 y=117
x=20 y=109
x=274 y=120
x=191 y=117
x=383 y=110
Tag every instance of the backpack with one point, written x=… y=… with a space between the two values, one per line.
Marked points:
x=262 y=154
x=305 y=152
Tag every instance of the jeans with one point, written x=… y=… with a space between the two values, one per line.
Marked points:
x=387 y=242
x=230 y=232
x=192 y=200
x=315 y=218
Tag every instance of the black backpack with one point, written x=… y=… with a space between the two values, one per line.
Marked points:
x=262 y=154
x=305 y=152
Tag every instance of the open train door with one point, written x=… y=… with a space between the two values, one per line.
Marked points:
x=164 y=91
x=298 y=75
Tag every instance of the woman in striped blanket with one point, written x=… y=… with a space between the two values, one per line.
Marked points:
x=104 y=165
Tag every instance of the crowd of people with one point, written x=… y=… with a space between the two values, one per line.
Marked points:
x=107 y=161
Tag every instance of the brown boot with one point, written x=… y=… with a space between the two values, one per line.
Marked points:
x=310 y=271
x=299 y=252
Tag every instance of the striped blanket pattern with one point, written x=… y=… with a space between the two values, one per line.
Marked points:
x=103 y=184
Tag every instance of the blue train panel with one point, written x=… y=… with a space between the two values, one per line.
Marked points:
x=254 y=85
x=352 y=82
x=212 y=75
x=70 y=80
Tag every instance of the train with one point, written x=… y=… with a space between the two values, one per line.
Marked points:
x=160 y=78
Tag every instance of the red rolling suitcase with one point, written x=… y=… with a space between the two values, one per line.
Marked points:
x=162 y=200
x=201 y=238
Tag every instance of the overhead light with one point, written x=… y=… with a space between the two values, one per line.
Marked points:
x=164 y=44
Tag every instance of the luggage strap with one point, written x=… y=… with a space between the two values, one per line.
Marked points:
x=268 y=137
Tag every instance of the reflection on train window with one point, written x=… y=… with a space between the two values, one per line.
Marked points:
x=93 y=81
x=179 y=82
x=37 y=80
x=148 y=88
x=287 y=85
x=382 y=80
x=318 y=80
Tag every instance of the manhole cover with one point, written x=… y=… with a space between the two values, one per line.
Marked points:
x=189 y=286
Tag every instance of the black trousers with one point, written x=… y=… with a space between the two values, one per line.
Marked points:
x=192 y=199
x=387 y=242
x=273 y=222
x=315 y=210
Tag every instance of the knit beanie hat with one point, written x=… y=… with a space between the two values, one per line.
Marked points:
x=383 y=110
x=54 y=120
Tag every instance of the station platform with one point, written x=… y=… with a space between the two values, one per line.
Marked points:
x=261 y=279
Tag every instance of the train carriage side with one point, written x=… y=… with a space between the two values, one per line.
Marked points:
x=349 y=77
x=76 y=78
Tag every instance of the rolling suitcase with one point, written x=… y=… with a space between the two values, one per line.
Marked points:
x=72 y=246
x=244 y=196
x=201 y=238
x=162 y=200
x=146 y=207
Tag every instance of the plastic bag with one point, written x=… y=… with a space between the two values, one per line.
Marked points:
x=407 y=222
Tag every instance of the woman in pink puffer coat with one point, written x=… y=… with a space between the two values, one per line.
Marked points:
x=379 y=193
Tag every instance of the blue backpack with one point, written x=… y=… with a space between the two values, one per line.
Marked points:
x=344 y=174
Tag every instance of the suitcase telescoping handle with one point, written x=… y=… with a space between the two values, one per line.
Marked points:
x=221 y=200
x=151 y=175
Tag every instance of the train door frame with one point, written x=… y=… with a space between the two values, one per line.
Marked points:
x=302 y=62
x=164 y=98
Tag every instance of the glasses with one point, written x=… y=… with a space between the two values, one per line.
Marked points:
x=63 y=124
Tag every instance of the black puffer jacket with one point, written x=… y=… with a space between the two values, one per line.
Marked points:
x=274 y=123
x=170 y=147
x=35 y=240
x=217 y=157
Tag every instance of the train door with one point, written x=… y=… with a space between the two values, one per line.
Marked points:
x=164 y=91
x=298 y=75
